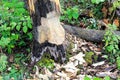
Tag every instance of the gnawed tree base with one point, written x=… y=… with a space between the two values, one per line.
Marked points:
x=56 y=51
x=48 y=33
x=87 y=34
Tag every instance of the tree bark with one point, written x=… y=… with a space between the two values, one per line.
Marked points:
x=87 y=34
x=47 y=30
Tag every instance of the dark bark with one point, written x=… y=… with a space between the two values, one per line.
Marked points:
x=87 y=34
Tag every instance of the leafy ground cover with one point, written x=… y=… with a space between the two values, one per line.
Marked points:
x=85 y=60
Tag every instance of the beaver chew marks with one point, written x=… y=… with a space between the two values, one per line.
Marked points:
x=51 y=30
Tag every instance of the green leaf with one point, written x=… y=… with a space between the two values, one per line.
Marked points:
x=24 y=24
x=14 y=36
x=110 y=48
x=3 y=62
x=29 y=22
x=69 y=13
x=97 y=1
x=114 y=38
x=96 y=78
x=9 y=49
x=86 y=78
x=19 y=5
x=30 y=36
x=29 y=25
x=116 y=46
x=4 y=41
x=18 y=27
x=107 y=78
x=118 y=62
x=75 y=15
x=25 y=29
x=22 y=43
x=1 y=78
x=13 y=24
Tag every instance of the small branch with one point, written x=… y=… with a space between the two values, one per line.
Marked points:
x=113 y=15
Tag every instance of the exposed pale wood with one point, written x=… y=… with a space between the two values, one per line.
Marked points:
x=45 y=15
x=51 y=30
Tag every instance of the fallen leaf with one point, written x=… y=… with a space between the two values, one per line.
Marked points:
x=98 y=64
x=104 y=11
x=79 y=58
x=11 y=58
x=62 y=74
x=81 y=77
x=106 y=21
x=103 y=74
x=43 y=77
x=116 y=22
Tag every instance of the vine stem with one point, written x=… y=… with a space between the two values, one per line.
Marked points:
x=112 y=15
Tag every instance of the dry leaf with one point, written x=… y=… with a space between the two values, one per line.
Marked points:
x=106 y=21
x=104 y=10
x=98 y=64
x=11 y=58
x=116 y=22
x=79 y=58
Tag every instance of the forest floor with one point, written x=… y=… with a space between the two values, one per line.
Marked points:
x=83 y=59
x=79 y=64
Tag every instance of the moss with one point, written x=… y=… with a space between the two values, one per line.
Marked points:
x=46 y=61
x=68 y=51
x=88 y=57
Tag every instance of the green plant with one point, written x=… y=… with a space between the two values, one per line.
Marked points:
x=13 y=74
x=87 y=13
x=111 y=44
x=87 y=78
x=97 y=1
x=91 y=23
x=15 y=24
x=1 y=78
x=93 y=78
x=118 y=62
x=3 y=62
x=118 y=79
x=96 y=78
x=15 y=71
x=107 y=78
x=115 y=5
x=88 y=57
x=46 y=62
x=71 y=15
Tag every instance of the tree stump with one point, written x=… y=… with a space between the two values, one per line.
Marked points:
x=48 y=33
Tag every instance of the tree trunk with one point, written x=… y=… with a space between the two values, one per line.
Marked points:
x=87 y=34
x=47 y=30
